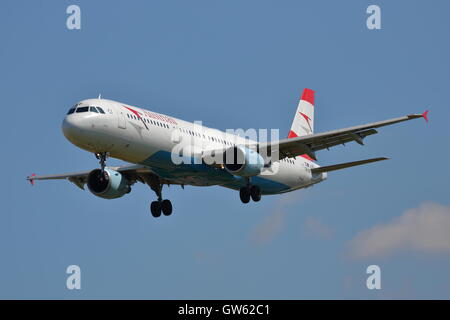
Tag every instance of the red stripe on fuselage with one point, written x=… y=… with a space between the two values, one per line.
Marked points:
x=138 y=114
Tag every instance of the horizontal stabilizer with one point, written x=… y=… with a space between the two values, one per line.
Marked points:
x=345 y=165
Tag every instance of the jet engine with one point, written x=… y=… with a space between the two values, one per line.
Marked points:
x=108 y=185
x=243 y=161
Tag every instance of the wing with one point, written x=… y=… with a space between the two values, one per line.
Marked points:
x=345 y=165
x=292 y=147
x=134 y=173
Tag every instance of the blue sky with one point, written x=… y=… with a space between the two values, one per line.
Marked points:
x=230 y=64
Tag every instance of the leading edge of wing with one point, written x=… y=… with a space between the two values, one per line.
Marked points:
x=306 y=139
x=132 y=167
x=57 y=176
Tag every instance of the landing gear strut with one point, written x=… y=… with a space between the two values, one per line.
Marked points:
x=250 y=191
x=159 y=206
x=102 y=157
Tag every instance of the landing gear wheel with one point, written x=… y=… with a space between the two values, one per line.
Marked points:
x=244 y=194
x=159 y=206
x=255 y=193
x=155 y=208
x=166 y=207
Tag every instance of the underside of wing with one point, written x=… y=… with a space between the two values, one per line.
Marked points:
x=345 y=165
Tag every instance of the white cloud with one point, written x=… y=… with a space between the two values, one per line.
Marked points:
x=274 y=223
x=316 y=228
x=269 y=227
x=423 y=229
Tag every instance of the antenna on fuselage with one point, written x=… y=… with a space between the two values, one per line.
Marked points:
x=99 y=95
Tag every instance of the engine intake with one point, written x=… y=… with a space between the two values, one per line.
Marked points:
x=108 y=185
x=243 y=161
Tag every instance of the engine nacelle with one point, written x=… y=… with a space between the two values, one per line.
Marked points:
x=243 y=161
x=110 y=185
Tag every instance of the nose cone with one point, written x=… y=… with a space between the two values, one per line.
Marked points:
x=75 y=128
x=70 y=127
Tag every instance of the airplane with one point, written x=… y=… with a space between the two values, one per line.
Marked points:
x=147 y=140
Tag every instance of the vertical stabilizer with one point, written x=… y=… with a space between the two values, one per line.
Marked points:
x=303 y=123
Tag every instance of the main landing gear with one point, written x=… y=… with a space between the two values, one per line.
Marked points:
x=159 y=206
x=164 y=206
x=250 y=191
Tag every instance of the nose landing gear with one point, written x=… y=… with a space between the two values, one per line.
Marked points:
x=102 y=156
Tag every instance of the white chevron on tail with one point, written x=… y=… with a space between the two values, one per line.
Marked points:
x=303 y=123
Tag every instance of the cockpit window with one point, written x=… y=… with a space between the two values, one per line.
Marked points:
x=83 y=109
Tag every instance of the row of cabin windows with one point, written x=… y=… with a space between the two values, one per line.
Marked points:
x=155 y=123
x=86 y=109
x=288 y=160
x=193 y=133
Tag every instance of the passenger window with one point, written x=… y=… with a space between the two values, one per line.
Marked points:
x=83 y=109
x=100 y=110
x=93 y=109
x=71 y=111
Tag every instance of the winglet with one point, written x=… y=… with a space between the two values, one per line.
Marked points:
x=30 y=178
x=425 y=115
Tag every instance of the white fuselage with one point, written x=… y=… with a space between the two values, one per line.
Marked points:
x=144 y=137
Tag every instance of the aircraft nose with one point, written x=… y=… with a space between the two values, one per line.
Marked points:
x=74 y=127
x=69 y=127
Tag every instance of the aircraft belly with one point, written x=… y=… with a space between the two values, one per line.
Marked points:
x=204 y=175
x=186 y=173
